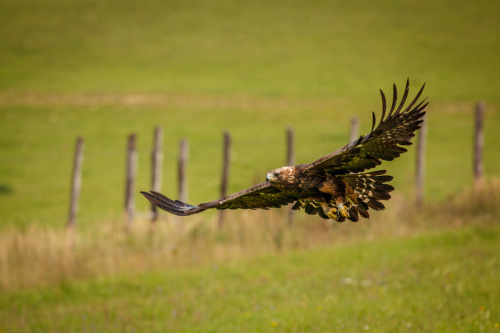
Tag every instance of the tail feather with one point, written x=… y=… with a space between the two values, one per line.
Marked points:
x=369 y=188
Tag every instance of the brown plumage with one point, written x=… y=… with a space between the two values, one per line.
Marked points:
x=334 y=186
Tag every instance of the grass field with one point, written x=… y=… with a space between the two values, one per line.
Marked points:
x=439 y=282
x=429 y=270
x=327 y=48
x=105 y=69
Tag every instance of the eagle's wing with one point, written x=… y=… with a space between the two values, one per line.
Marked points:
x=384 y=142
x=263 y=196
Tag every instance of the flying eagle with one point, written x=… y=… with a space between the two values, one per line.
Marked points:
x=334 y=186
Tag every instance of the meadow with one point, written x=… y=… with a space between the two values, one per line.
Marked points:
x=429 y=270
x=427 y=283
x=104 y=69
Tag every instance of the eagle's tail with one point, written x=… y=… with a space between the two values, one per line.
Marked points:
x=369 y=189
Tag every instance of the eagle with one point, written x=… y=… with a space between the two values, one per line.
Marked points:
x=335 y=186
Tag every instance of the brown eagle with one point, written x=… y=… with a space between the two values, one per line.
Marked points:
x=334 y=186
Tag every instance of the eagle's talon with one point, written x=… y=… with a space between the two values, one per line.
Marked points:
x=331 y=212
x=341 y=210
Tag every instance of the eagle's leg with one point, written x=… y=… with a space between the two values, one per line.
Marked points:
x=323 y=207
x=341 y=210
x=335 y=212
x=331 y=212
x=337 y=188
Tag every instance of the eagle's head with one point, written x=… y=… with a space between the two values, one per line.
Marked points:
x=282 y=175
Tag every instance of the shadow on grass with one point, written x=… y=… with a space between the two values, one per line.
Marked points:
x=5 y=189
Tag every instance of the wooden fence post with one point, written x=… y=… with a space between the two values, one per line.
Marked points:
x=420 y=169
x=157 y=163
x=225 y=173
x=478 y=145
x=183 y=157
x=290 y=146
x=130 y=181
x=354 y=128
x=290 y=160
x=76 y=184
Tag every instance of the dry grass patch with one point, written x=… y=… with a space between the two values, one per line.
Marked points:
x=38 y=256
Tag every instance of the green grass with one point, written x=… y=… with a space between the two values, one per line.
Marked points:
x=441 y=282
x=106 y=69
x=223 y=47
x=433 y=269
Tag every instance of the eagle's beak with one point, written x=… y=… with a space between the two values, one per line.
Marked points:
x=270 y=177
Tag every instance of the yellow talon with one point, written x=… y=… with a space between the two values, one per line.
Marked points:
x=335 y=213
x=343 y=211
x=330 y=212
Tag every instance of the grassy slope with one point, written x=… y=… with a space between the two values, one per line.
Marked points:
x=37 y=149
x=440 y=282
x=251 y=68
x=327 y=47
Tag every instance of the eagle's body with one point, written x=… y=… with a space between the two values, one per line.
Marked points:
x=335 y=186
x=329 y=195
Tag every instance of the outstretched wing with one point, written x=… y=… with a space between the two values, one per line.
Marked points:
x=263 y=196
x=384 y=142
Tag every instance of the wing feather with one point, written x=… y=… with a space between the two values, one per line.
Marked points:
x=370 y=188
x=395 y=129
x=260 y=196
x=175 y=207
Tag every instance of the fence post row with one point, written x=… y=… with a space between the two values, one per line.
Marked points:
x=420 y=169
x=157 y=163
x=181 y=169
x=157 y=159
x=290 y=146
x=290 y=160
x=225 y=172
x=354 y=128
x=478 y=145
x=76 y=183
x=130 y=180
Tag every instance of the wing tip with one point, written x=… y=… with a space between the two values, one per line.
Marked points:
x=174 y=207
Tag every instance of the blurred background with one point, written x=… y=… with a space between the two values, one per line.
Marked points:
x=103 y=70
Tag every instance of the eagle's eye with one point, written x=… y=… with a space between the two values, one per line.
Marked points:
x=276 y=174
